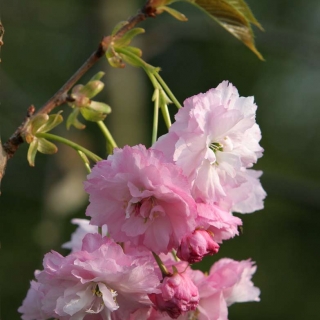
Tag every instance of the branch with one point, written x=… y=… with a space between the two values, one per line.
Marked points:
x=61 y=96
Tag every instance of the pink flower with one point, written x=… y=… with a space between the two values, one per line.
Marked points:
x=99 y=282
x=221 y=224
x=248 y=196
x=242 y=288
x=178 y=295
x=84 y=228
x=228 y=282
x=214 y=137
x=141 y=198
x=31 y=308
x=197 y=245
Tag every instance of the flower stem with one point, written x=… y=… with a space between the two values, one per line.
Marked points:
x=174 y=254
x=168 y=91
x=162 y=267
x=155 y=116
x=166 y=115
x=161 y=95
x=157 y=82
x=85 y=160
x=71 y=144
x=107 y=134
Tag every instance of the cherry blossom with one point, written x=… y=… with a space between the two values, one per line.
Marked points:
x=228 y=282
x=213 y=139
x=99 y=281
x=141 y=198
x=83 y=229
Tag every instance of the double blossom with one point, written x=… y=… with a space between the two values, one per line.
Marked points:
x=214 y=140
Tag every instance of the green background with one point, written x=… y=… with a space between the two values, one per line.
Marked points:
x=46 y=41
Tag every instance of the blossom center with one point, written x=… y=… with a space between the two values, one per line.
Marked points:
x=216 y=146
x=95 y=290
x=147 y=208
x=97 y=303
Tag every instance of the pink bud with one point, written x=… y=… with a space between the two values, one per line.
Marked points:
x=178 y=295
x=197 y=245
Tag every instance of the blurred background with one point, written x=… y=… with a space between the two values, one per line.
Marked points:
x=47 y=41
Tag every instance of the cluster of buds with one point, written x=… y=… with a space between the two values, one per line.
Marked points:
x=32 y=134
x=80 y=101
x=36 y=128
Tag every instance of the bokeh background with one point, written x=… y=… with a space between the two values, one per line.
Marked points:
x=46 y=41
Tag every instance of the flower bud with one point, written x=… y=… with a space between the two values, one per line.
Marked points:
x=178 y=295
x=197 y=245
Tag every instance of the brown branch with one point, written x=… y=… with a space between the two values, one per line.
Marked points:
x=60 y=97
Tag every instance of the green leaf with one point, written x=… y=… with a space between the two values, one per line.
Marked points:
x=159 y=3
x=114 y=58
x=32 y=151
x=118 y=26
x=233 y=15
x=132 y=58
x=46 y=147
x=134 y=50
x=176 y=14
x=245 y=10
x=92 y=88
x=92 y=115
x=53 y=121
x=73 y=120
x=37 y=122
x=127 y=37
x=100 y=107
x=97 y=76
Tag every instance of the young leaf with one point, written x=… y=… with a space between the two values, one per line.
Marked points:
x=134 y=50
x=244 y=9
x=92 y=115
x=176 y=14
x=100 y=107
x=97 y=76
x=37 y=122
x=46 y=147
x=158 y=3
x=92 y=88
x=53 y=121
x=114 y=58
x=233 y=15
x=32 y=151
x=132 y=58
x=127 y=37
x=118 y=27
x=73 y=120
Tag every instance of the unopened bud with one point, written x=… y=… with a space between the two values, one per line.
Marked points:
x=178 y=295
x=196 y=246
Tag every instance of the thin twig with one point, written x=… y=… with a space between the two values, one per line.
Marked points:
x=60 y=97
x=11 y=146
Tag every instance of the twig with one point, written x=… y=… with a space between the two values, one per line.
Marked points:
x=60 y=97
x=11 y=146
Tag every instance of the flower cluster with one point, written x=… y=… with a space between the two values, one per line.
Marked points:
x=165 y=208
